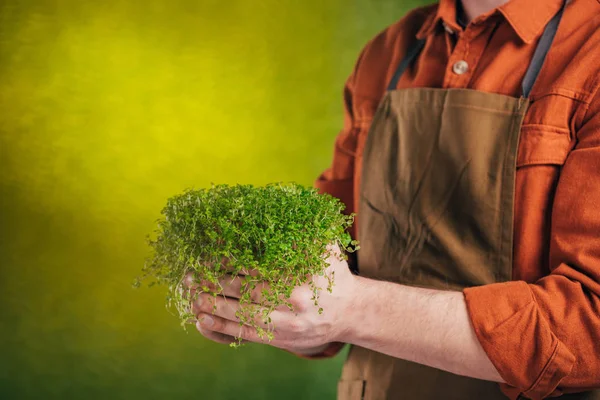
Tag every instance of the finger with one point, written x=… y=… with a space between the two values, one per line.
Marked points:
x=217 y=336
x=221 y=306
x=234 y=287
x=231 y=286
x=334 y=253
x=192 y=281
x=231 y=310
x=191 y=284
x=249 y=272
x=191 y=278
x=230 y=328
x=228 y=285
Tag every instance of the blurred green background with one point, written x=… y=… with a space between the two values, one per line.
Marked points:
x=106 y=109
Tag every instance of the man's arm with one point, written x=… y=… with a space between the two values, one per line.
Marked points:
x=426 y=326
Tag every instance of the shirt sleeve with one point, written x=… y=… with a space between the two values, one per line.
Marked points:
x=338 y=179
x=544 y=337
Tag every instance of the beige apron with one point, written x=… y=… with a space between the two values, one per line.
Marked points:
x=436 y=211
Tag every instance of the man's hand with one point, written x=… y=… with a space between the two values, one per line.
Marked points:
x=302 y=330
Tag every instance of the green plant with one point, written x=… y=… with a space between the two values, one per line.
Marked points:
x=279 y=231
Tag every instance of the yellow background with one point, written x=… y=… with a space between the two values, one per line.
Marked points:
x=107 y=108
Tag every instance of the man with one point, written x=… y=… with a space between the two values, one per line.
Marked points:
x=471 y=154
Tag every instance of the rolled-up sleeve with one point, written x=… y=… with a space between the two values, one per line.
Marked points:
x=544 y=337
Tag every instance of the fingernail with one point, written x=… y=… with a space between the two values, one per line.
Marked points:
x=207 y=321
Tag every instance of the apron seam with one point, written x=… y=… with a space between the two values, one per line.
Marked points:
x=465 y=106
x=507 y=168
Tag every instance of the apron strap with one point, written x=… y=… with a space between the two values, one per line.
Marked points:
x=535 y=66
x=412 y=53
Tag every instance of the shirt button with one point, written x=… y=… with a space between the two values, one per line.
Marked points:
x=460 y=67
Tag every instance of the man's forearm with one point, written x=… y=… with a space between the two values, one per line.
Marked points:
x=429 y=327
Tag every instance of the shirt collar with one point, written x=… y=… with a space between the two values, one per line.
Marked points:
x=527 y=17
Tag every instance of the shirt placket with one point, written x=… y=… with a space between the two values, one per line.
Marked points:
x=464 y=57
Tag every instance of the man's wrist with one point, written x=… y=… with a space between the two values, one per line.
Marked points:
x=357 y=309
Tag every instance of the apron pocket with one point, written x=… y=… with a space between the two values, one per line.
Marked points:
x=353 y=389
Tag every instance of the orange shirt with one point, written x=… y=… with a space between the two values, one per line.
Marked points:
x=542 y=330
